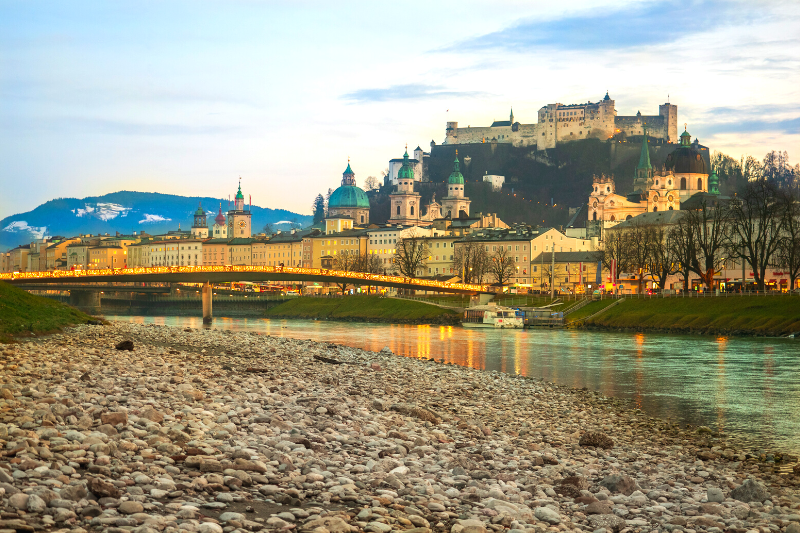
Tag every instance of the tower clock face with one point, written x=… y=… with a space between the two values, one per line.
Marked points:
x=242 y=224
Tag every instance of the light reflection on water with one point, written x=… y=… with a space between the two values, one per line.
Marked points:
x=745 y=387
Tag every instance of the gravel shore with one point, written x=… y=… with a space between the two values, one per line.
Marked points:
x=212 y=431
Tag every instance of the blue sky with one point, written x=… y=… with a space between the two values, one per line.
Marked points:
x=185 y=97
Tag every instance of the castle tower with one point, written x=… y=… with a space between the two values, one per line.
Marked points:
x=239 y=220
x=200 y=226
x=643 y=179
x=405 y=202
x=511 y=118
x=670 y=114
x=220 y=228
x=455 y=202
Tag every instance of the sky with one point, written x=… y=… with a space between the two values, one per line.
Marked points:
x=186 y=97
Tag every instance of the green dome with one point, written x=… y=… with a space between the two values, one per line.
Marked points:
x=199 y=212
x=713 y=183
x=456 y=177
x=405 y=172
x=239 y=195
x=348 y=196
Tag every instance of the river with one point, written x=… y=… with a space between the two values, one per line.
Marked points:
x=749 y=388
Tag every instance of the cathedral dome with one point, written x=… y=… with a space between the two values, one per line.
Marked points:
x=348 y=196
x=406 y=172
x=220 y=219
x=686 y=160
x=456 y=177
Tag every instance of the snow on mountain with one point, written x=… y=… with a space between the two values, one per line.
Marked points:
x=22 y=226
x=103 y=211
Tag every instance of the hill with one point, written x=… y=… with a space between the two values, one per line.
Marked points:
x=124 y=212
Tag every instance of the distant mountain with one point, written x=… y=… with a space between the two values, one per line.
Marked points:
x=125 y=212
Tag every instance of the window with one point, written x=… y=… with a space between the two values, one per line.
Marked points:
x=412 y=213
x=699 y=183
x=398 y=210
x=683 y=184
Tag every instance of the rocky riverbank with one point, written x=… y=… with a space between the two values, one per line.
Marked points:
x=213 y=431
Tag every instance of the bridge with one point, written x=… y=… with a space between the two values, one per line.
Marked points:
x=206 y=275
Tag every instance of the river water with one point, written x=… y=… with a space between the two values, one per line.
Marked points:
x=747 y=387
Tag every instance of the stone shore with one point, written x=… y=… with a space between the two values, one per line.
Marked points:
x=211 y=431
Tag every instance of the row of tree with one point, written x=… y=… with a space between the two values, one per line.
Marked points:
x=760 y=226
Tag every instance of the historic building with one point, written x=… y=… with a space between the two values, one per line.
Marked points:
x=349 y=200
x=200 y=226
x=455 y=203
x=683 y=176
x=416 y=163
x=406 y=204
x=220 y=228
x=559 y=123
x=239 y=218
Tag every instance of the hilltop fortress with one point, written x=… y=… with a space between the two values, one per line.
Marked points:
x=560 y=123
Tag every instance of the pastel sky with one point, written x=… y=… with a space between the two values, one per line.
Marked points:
x=185 y=97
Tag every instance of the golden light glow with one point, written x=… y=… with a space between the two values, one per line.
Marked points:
x=242 y=269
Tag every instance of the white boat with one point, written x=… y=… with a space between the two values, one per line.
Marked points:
x=492 y=316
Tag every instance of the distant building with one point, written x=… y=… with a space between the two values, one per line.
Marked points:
x=558 y=123
x=200 y=226
x=496 y=181
x=239 y=218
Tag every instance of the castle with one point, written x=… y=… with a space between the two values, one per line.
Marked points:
x=560 y=123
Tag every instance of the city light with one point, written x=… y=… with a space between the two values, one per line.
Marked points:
x=240 y=269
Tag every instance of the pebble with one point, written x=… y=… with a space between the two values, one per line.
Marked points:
x=196 y=422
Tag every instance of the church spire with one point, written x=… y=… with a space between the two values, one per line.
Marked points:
x=512 y=115
x=644 y=158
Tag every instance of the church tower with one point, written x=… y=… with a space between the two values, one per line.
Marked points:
x=405 y=202
x=200 y=227
x=220 y=228
x=455 y=202
x=643 y=179
x=239 y=223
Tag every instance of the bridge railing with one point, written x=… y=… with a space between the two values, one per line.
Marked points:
x=364 y=277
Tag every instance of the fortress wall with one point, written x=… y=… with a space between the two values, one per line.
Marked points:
x=656 y=126
x=527 y=135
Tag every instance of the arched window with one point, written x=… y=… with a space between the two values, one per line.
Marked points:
x=613 y=218
x=683 y=184
x=412 y=210
x=398 y=210
x=699 y=184
x=594 y=215
x=670 y=208
x=628 y=217
x=655 y=208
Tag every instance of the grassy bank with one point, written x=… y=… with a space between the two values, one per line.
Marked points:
x=22 y=313
x=749 y=315
x=363 y=308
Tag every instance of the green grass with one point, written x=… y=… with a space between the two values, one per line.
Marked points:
x=22 y=313
x=775 y=315
x=589 y=309
x=360 y=307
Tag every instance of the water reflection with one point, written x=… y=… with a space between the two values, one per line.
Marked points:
x=746 y=387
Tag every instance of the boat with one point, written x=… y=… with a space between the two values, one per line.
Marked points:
x=492 y=316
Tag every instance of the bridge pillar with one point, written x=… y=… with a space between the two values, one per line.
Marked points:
x=86 y=301
x=207 y=302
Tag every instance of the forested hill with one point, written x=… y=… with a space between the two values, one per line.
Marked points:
x=125 y=211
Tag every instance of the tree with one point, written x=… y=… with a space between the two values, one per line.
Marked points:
x=635 y=240
x=371 y=183
x=346 y=262
x=756 y=223
x=789 y=245
x=502 y=265
x=318 y=209
x=411 y=254
x=267 y=229
x=710 y=228
x=369 y=263
x=661 y=262
x=327 y=199
x=682 y=248
x=614 y=252
x=471 y=261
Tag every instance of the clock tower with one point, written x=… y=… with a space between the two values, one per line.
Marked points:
x=239 y=218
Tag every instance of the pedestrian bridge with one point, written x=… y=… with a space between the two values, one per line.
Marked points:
x=206 y=275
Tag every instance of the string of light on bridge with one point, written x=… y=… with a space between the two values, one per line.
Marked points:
x=240 y=269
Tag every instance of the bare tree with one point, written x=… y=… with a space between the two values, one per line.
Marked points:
x=371 y=183
x=711 y=232
x=756 y=227
x=614 y=252
x=682 y=248
x=637 y=248
x=502 y=265
x=789 y=246
x=369 y=263
x=347 y=262
x=471 y=260
x=661 y=259
x=411 y=254
x=267 y=229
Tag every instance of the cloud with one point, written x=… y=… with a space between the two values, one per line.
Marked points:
x=653 y=23
x=782 y=118
x=789 y=126
x=411 y=91
x=152 y=219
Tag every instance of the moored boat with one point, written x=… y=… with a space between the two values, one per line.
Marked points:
x=492 y=316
